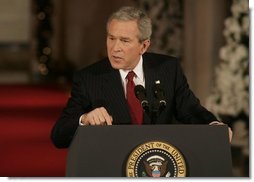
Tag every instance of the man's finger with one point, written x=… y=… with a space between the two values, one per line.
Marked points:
x=107 y=117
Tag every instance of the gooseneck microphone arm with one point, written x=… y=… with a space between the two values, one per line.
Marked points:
x=157 y=106
x=159 y=103
x=159 y=94
x=140 y=93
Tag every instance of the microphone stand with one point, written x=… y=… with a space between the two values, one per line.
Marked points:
x=157 y=108
x=154 y=112
x=159 y=104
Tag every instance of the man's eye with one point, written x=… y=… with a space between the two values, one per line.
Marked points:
x=111 y=38
x=125 y=40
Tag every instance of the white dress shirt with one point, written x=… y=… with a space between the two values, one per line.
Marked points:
x=139 y=79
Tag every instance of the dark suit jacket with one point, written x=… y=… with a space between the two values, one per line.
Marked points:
x=100 y=85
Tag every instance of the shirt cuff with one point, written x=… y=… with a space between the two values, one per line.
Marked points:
x=215 y=123
x=80 y=121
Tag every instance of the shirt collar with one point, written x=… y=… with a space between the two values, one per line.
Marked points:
x=138 y=70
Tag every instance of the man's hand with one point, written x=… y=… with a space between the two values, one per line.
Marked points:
x=230 y=133
x=98 y=116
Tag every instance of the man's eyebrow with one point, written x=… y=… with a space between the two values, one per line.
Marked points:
x=125 y=38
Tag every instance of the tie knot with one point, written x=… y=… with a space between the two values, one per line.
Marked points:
x=130 y=75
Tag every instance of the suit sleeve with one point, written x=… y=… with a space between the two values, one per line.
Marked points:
x=188 y=107
x=66 y=126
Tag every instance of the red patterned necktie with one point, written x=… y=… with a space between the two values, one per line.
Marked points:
x=136 y=109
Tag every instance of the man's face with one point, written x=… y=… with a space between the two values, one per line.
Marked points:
x=123 y=46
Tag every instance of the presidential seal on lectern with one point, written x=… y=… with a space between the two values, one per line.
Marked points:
x=155 y=159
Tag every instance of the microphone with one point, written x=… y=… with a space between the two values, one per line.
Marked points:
x=159 y=94
x=140 y=93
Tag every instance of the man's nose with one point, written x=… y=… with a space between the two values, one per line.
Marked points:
x=117 y=46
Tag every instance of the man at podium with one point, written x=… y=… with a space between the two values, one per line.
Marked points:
x=130 y=86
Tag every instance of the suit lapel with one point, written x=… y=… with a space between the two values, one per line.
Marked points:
x=114 y=94
x=151 y=76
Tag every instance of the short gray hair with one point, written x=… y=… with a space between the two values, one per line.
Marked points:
x=128 y=13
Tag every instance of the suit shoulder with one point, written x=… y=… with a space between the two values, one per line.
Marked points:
x=98 y=67
x=158 y=59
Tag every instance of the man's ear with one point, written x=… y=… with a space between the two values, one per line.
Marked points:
x=145 y=46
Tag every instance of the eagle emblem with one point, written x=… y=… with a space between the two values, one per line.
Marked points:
x=156 y=166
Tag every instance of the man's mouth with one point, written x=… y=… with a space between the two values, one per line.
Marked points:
x=117 y=58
